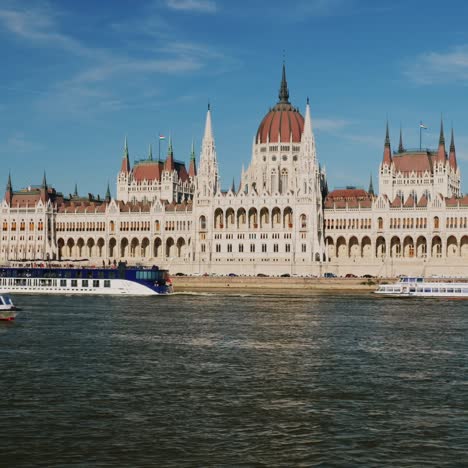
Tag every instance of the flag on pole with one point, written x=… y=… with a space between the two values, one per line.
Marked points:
x=421 y=125
x=161 y=137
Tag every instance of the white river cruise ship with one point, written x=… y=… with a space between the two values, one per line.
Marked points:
x=426 y=287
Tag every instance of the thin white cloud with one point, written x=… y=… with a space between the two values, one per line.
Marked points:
x=201 y=6
x=439 y=67
x=18 y=143
x=329 y=125
x=368 y=140
x=38 y=26
x=93 y=83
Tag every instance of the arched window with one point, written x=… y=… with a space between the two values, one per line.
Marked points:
x=284 y=180
x=202 y=223
x=436 y=222
x=274 y=187
x=303 y=220
x=380 y=223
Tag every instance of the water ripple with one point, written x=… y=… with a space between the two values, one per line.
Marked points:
x=220 y=380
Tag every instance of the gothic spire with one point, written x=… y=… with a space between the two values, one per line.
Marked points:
x=9 y=190
x=169 y=164
x=441 y=156
x=108 y=194
x=192 y=166
x=452 y=142
x=150 y=153
x=441 y=137
x=75 y=193
x=125 y=167
x=284 y=92
x=44 y=188
x=400 y=145
x=233 y=186
x=387 y=155
x=208 y=128
x=371 y=186
x=452 y=154
x=192 y=151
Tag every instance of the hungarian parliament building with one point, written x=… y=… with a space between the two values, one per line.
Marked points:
x=281 y=219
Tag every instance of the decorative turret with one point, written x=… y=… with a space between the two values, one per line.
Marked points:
x=169 y=164
x=193 y=164
x=284 y=92
x=452 y=154
x=75 y=192
x=387 y=155
x=441 y=154
x=108 y=193
x=307 y=138
x=44 y=194
x=401 y=149
x=150 y=153
x=233 y=186
x=371 y=187
x=9 y=191
x=125 y=161
x=208 y=177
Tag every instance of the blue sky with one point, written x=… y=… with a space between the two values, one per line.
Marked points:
x=77 y=77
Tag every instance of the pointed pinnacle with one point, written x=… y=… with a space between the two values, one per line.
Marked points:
x=284 y=93
x=192 y=152
x=169 y=147
x=452 y=142
x=150 y=153
x=126 y=148
x=441 y=138
x=387 y=137
x=400 y=145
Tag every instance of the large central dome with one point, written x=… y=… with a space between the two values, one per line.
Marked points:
x=284 y=122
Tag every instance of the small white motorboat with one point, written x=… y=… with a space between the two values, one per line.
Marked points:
x=8 y=310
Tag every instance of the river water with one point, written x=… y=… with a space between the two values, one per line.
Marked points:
x=221 y=380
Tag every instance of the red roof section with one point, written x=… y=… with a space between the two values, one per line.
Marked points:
x=413 y=162
x=148 y=170
x=348 y=193
x=283 y=121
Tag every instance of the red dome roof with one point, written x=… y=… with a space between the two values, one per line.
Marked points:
x=283 y=121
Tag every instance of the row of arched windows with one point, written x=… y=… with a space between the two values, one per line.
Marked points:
x=253 y=219
x=21 y=226
x=84 y=226
x=354 y=223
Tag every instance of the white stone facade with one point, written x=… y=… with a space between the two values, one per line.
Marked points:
x=279 y=221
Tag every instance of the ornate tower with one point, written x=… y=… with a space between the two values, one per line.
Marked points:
x=207 y=183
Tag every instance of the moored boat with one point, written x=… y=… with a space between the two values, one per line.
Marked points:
x=408 y=286
x=123 y=280
x=8 y=310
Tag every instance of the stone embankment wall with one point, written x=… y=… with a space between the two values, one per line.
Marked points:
x=273 y=285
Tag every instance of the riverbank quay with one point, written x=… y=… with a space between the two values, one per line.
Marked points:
x=275 y=286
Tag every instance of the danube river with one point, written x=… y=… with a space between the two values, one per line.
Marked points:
x=220 y=380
